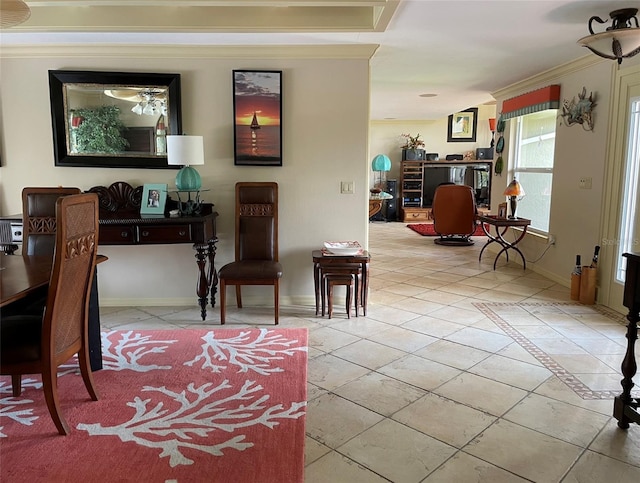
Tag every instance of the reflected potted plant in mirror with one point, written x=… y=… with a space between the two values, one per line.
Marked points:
x=413 y=149
x=97 y=130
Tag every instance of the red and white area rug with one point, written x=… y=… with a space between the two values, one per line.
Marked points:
x=224 y=405
x=426 y=229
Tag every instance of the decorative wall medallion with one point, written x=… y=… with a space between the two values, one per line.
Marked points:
x=580 y=111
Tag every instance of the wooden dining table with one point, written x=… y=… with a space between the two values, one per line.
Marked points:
x=23 y=275
x=20 y=276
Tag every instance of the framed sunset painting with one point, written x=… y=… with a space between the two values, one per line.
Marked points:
x=257 y=112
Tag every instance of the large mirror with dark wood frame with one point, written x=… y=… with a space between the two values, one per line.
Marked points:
x=113 y=119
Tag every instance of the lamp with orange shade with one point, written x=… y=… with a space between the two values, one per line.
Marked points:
x=514 y=191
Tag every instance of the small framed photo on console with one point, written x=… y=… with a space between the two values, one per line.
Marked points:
x=502 y=210
x=154 y=197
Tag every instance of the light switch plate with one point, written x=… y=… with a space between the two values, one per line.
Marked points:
x=347 y=187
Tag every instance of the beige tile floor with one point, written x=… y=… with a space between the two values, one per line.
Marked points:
x=458 y=373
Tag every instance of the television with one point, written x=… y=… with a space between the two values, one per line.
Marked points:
x=476 y=175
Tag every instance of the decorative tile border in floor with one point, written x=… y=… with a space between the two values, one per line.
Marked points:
x=565 y=376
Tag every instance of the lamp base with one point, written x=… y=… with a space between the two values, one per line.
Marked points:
x=188 y=179
x=514 y=205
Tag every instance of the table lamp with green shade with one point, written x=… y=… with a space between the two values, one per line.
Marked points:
x=186 y=151
x=382 y=164
x=514 y=191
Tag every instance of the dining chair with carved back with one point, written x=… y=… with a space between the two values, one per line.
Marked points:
x=32 y=344
x=39 y=218
x=256 y=243
x=38 y=236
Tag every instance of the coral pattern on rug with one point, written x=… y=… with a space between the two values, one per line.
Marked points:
x=229 y=404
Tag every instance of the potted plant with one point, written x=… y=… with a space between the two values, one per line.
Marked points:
x=413 y=148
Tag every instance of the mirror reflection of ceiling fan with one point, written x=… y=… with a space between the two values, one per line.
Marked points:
x=149 y=101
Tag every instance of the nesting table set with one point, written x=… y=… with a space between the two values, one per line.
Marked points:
x=330 y=269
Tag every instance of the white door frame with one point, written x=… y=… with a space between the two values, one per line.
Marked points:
x=626 y=84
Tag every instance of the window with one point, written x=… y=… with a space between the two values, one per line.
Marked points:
x=629 y=230
x=533 y=165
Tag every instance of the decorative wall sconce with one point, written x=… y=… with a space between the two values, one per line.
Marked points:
x=619 y=41
x=492 y=128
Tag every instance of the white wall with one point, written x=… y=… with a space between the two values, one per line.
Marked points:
x=325 y=141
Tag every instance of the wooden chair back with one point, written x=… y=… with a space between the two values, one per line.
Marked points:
x=39 y=218
x=67 y=310
x=256 y=221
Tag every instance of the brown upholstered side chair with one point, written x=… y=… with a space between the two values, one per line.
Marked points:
x=39 y=218
x=454 y=214
x=38 y=237
x=32 y=344
x=256 y=247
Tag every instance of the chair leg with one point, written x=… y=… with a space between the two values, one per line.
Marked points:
x=356 y=292
x=50 y=387
x=87 y=374
x=16 y=384
x=239 y=296
x=276 y=297
x=223 y=301
x=349 y=301
x=323 y=291
x=329 y=299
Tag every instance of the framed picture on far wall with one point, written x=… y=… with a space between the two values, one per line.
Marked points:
x=154 y=197
x=462 y=126
x=257 y=113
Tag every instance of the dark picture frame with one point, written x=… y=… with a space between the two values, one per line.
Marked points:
x=257 y=114
x=462 y=126
x=143 y=146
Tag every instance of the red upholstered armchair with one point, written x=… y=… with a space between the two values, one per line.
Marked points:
x=454 y=214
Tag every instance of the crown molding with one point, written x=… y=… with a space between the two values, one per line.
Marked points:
x=331 y=51
x=547 y=76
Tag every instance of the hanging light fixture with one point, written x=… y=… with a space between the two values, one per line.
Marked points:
x=13 y=12
x=619 y=41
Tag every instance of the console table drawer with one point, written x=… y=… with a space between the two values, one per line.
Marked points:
x=164 y=233
x=116 y=235
x=416 y=215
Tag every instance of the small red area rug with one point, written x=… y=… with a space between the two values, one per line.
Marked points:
x=224 y=405
x=426 y=229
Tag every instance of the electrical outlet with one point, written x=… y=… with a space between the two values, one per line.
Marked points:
x=552 y=240
x=585 y=183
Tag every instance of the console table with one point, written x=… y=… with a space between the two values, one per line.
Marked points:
x=501 y=226
x=122 y=224
x=625 y=408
